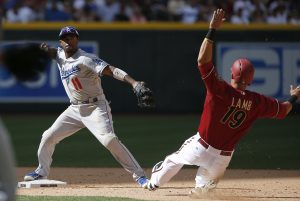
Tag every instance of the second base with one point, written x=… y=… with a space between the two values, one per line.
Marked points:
x=41 y=183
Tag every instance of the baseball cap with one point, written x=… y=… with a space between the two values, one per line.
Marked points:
x=68 y=30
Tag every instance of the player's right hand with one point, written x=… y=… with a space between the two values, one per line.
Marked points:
x=295 y=91
x=217 y=19
x=44 y=47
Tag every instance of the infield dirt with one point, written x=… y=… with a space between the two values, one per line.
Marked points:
x=237 y=185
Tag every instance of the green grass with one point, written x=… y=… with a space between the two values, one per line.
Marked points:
x=269 y=144
x=150 y=139
x=72 y=198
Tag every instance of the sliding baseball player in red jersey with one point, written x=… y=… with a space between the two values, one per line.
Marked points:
x=229 y=111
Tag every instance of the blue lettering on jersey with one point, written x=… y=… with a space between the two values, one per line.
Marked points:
x=66 y=73
x=98 y=61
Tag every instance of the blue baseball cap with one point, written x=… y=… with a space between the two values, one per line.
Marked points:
x=68 y=30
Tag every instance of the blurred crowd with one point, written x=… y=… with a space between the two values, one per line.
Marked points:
x=142 y=11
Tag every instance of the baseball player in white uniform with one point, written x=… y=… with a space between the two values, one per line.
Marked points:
x=80 y=73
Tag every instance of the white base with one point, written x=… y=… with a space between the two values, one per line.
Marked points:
x=41 y=183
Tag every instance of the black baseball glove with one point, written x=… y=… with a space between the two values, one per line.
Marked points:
x=144 y=95
x=24 y=60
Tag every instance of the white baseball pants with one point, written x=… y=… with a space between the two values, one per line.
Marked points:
x=211 y=164
x=97 y=118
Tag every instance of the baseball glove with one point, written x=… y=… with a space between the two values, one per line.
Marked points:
x=24 y=60
x=144 y=95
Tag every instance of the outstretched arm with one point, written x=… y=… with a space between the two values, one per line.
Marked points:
x=119 y=75
x=295 y=95
x=205 y=52
x=143 y=93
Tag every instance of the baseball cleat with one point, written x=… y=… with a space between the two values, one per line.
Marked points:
x=157 y=167
x=151 y=187
x=33 y=176
x=142 y=181
x=198 y=192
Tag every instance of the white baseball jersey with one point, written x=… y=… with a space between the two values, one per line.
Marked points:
x=80 y=74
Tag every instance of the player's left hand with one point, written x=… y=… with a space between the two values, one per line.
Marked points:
x=144 y=95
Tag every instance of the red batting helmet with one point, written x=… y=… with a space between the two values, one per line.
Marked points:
x=242 y=71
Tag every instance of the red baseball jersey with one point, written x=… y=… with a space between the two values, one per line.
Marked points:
x=228 y=113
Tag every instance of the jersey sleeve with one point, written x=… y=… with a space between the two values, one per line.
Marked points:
x=58 y=53
x=95 y=64
x=59 y=56
x=271 y=108
x=213 y=82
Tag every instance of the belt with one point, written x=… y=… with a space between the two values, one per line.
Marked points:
x=205 y=145
x=90 y=100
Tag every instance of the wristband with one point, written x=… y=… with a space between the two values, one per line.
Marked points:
x=119 y=74
x=293 y=99
x=211 y=34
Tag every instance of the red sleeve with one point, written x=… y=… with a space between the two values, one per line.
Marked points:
x=206 y=69
x=282 y=111
x=214 y=84
x=271 y=108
